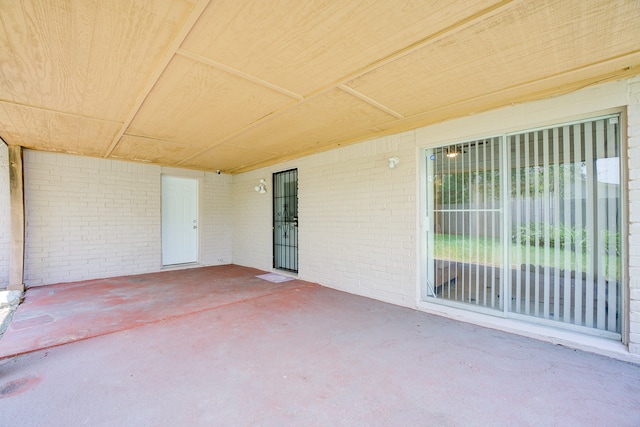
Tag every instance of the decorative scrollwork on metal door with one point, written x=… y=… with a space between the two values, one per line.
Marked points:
x=287 y=222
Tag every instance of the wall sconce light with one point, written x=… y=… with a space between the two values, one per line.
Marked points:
x=262 y=187
x=452 y=153
x=393 y=161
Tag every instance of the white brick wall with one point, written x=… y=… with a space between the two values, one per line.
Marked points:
x=5 y=219
x=633 y=133
x=357 y=219
x=357 y=216
x=89 y=218
x=252 y=243
x=216 y=219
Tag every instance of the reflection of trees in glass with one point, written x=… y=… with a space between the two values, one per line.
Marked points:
x=464 y=187
x=536 y=183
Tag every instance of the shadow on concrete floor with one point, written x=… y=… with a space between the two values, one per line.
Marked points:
x=308 y=355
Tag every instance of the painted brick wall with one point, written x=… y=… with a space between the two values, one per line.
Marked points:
x=88 y=218
x=252 y=241
x=92 y=218
x=216 y=219
x=5 y=219
x=633 y=133
x=358 y=219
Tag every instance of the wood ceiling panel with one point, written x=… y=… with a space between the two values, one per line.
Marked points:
x=541 y=89
x=514 y=47
x=316 y=124
x=193 y=103
x=84 y=57
x=228 y=158
x=233 y=85
x=308 y=45
x=152 y=150
x=51 y=131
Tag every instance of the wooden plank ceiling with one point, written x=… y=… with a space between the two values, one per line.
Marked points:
x=235 y=85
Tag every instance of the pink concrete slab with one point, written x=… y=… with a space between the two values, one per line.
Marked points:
x=312 y=356
x=59 y=314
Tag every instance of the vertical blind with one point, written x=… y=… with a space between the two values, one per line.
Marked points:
x=566 y=223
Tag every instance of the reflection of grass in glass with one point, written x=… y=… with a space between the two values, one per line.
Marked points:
x=468 y=249
x=481 y=250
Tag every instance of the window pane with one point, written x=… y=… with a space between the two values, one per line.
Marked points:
x=565 y=216
x=465 y=248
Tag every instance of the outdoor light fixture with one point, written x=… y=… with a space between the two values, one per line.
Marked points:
x=393 y=161
x=262 y=187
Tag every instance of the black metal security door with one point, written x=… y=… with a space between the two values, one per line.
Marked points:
x=285 y=220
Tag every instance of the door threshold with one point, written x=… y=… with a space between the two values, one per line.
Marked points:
x=180 y=266
x=285 y=273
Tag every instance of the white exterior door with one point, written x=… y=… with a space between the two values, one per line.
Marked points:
x=179 y=220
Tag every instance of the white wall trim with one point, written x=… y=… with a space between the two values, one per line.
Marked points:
x=594 y=344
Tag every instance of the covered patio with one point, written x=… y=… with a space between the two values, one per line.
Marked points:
x=219 y=346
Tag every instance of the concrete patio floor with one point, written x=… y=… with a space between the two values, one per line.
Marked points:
x=217 y=346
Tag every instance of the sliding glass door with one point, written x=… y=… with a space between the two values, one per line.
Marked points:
x=528 y=225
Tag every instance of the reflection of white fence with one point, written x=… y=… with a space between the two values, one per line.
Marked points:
x=485 y=219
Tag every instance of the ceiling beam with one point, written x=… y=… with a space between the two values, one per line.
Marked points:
x=370 y=101
x=421 y=119
x=341 y=84
x=186 y=28
x=238 y=73
x=62 y=113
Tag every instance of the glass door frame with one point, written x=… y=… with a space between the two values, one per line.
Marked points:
x=426 y=224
